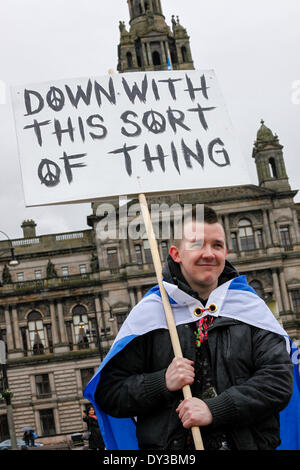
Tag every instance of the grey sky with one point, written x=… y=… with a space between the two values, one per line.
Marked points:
x=253 y=46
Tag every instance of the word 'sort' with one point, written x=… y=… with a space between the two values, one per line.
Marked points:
x=49 y=172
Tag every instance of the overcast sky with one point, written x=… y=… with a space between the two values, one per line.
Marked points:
x=253 y=46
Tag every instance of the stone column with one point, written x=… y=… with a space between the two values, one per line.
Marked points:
x=274 y=230
x=61 y=322
x=144 y=54
x=132 y=298
x=150 y=61
x=9 y=336
x=163 y=53
x=98 y=313
x=16 y=328
x=267 y=229
x=29 y=346
x=139 y=293
x=227 y=232
x=285 y=295
x=277 y=293
x=54 y=324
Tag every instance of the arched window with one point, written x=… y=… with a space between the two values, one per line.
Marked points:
x=36 y=332
x=140 y=8
x=257 y=286
x=246 y=235
x=129 y=60
x=273 y=169
x=184 y=54
x=156 y=58
x=81 y=325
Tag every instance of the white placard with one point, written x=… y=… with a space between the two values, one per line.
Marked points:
x=98 y=137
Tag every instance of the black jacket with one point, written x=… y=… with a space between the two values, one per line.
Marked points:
x=251 y=369
x=95 y=439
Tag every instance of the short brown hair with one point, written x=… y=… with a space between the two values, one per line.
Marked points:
x=209 y=217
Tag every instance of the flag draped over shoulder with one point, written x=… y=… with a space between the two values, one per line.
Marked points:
x=290 y=416
x=234 y=299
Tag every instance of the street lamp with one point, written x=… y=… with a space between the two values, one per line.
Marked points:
x=7 y=394
x=13 y=261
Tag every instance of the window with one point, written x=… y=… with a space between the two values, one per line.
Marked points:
x=285 y=237
x=246 y=235
x=42 y=386
x=81 y=325
x=65 y=271
x=234 y=242
x=36 y=332
x=273 y=169
x=138 y=253
x=86 y=375
x=47 y=422
x=129 y=60
x=296 y=300
x=20 y=277
x=82 y=269
x=105 y=331
x=121 y=317
x=112 y=258
x=184 y=54
x=38 y=274
x=156 y=58
x=147 y=252
x=260 y=239
x=4 y=431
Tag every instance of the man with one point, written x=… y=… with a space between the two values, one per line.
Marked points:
x=240 y=375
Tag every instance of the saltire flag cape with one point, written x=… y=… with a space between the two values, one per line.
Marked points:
x=233 y=299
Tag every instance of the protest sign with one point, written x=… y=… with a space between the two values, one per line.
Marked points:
x=100 y=137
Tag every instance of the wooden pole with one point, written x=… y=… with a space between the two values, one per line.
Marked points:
x=167 y=306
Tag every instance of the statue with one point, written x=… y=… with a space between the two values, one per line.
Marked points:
x=6 y=276
x=51 y=271
x=94 y=263
x=173 y=22
x=122 y=27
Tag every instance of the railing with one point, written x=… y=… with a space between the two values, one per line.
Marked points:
x=69 y=236
x=26 y=241
x=37 y=284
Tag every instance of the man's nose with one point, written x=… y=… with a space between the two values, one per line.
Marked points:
x=207 y=251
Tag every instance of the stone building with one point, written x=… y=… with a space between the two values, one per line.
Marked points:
x=62 y=305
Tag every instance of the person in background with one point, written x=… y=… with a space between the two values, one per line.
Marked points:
x=95 y=438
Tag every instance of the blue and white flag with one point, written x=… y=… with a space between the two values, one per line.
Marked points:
x=169 y=64
x=290 y=416
x=149 y=315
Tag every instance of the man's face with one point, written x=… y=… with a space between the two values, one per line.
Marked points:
x=201 y=254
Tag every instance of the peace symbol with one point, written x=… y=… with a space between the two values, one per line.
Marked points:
x=154 y=122
x=49 y=173
x=55 y=98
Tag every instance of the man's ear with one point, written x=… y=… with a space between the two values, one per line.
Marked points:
x=174 y=253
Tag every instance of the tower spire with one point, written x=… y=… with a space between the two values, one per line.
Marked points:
x=150 y=44
x=269 y=160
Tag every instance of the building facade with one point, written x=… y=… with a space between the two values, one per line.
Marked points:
x=63 y=304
